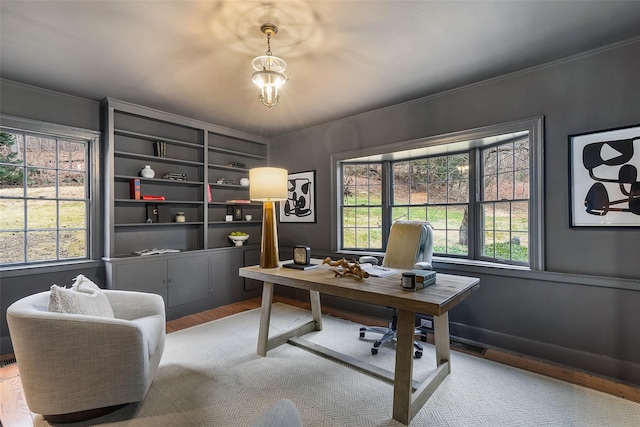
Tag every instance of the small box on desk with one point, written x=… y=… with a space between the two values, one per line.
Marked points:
x=424 y=278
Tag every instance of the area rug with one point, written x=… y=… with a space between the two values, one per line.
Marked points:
x=210 y=375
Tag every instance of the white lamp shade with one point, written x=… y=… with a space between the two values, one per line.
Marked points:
x=268 y=184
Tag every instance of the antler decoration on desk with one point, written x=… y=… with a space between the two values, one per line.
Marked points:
x=344 y=267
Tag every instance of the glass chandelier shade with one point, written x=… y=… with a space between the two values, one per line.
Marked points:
x=269 y=71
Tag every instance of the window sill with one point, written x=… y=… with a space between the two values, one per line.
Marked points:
x=23 y=270
x=475 y=263
x=445 y=261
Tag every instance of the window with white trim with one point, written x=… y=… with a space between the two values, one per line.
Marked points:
x=45 y=193
x=480 y=190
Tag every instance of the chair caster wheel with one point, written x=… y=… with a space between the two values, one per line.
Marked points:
x=374 y=351
x=361 y=334
x=418 y=354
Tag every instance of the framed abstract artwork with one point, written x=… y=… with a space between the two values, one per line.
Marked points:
x=300 y=205
x=604 y=186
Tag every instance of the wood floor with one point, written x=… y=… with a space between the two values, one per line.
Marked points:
x=15 y=413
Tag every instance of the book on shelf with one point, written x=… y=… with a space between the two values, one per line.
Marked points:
x=156 y=251
x=153 y=198
x=236 y=165
x=238 y=202
x=175 y=176
x=209 y=193
x=134 y=189
x=160 y=149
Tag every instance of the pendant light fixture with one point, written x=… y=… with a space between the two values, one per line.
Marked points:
x=269 y=71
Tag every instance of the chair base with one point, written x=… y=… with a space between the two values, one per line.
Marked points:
x=74 y=417
x=389 y=334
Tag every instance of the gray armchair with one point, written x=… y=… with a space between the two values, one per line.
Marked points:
x=75 y=367
x=410 y=246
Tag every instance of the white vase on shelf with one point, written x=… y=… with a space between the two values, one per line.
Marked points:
x=244 y=182
x=147 y=172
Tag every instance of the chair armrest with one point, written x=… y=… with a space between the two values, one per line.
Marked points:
x=131 y=305
x=368 y=258
x=423 y=265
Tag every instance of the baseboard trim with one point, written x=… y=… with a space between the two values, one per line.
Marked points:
x=591 y=364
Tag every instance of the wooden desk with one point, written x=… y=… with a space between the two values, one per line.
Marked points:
x=435 y=300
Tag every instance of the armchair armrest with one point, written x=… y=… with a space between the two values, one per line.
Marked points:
x=131 y=305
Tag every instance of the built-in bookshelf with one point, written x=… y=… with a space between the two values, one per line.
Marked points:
x=200 y=173
x=200 y=178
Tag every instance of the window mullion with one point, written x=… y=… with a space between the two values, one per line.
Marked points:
x=474 y=206
x=387 y=197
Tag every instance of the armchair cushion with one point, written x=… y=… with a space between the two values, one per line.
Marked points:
x=84 y=297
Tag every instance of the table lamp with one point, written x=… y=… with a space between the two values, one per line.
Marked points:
x=268 y=185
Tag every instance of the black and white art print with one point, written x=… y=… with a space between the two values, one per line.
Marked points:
x=300 y=205
x=605 y=191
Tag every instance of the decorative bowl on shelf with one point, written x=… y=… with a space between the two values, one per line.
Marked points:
x=238 y=240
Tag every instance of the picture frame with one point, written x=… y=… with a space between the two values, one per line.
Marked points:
x=603 y=186
x=237 y=213
x=300 y=205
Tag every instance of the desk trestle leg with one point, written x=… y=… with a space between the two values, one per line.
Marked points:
x=405 y=403
x=265 y=318
x=264 y=342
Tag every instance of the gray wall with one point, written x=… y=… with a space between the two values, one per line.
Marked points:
x=583 y=311
x=37 y=104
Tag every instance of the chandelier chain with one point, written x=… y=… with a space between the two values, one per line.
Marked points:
x=269 y=44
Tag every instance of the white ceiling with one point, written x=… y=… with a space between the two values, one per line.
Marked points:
x=345 y=57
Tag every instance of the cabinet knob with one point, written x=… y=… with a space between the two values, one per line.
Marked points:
x=170 y=280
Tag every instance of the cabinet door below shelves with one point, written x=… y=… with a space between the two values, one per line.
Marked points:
x=252 y=257
x=226 y=284
x=188 y=279
x=147 y=276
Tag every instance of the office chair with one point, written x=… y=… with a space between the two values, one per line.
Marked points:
x=410 y=246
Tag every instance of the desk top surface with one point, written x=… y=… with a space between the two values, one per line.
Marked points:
x=436 y=299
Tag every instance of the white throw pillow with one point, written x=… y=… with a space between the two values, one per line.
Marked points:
x=84 y=297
